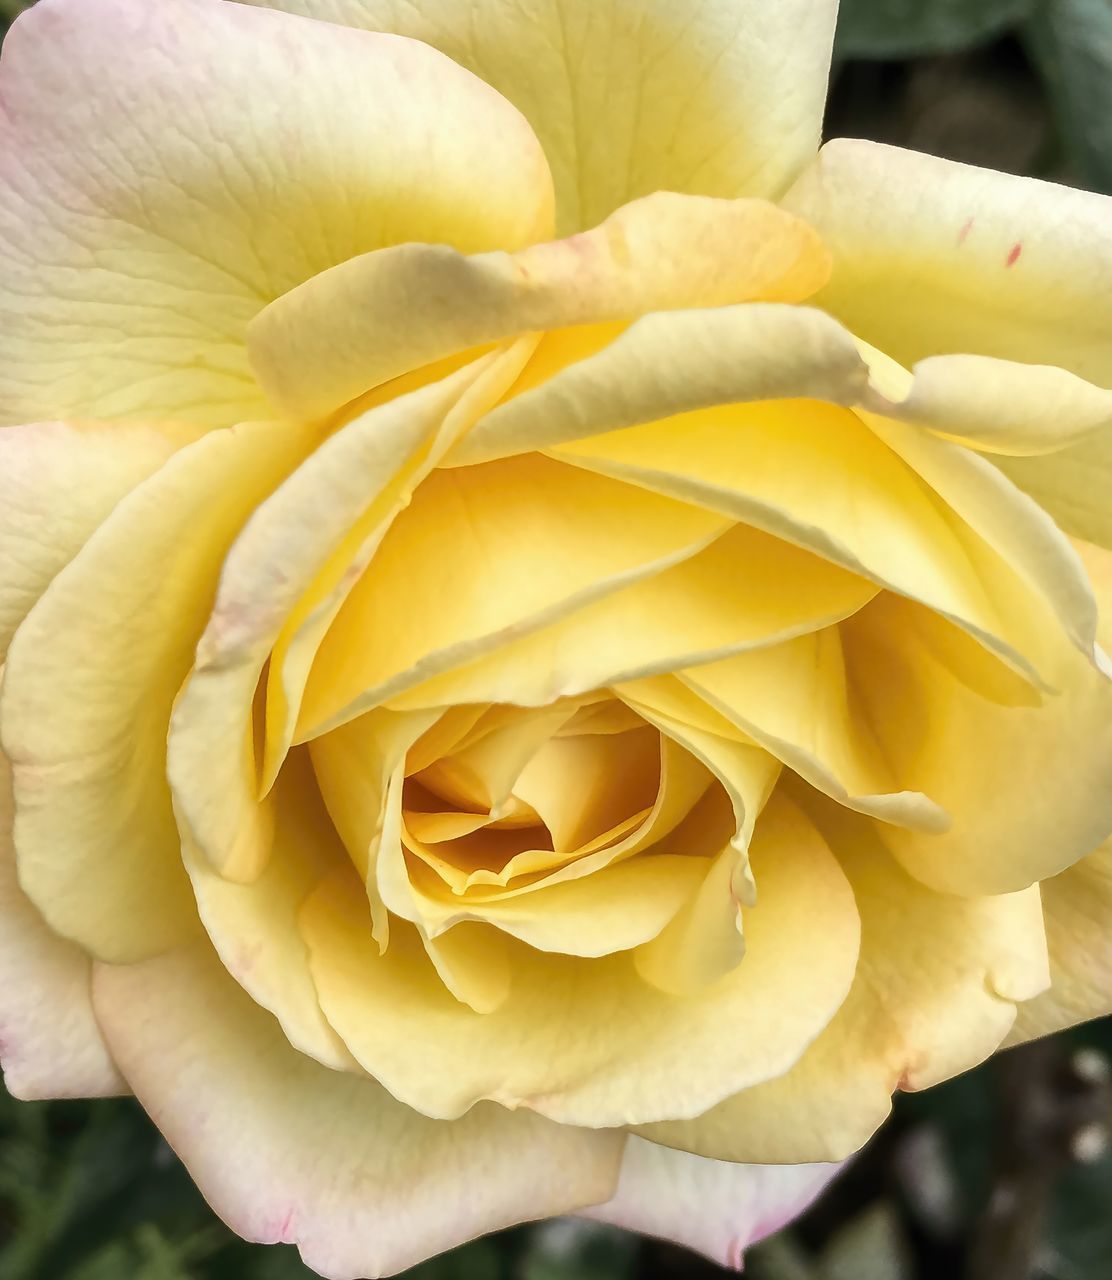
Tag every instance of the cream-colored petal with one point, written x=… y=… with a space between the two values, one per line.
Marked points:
x=586 y=1041
x=91 y=678
x=933 y=257
x=161 y=185
x=724 y=599
x=58 y=481
x=937 y=983
x=286 y=1150
x=354 y=327
x=50 y=1044
x=716 y=1208
x=1000 y=406
x=482 y=555
x=716 y=97
x=1033 y=790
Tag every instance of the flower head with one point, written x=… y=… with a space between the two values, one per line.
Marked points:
x=546 y=668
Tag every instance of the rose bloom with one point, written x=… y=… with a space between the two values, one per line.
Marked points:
x=547 y=664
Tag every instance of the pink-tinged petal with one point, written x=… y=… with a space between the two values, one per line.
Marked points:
x=50 y=1045
x=710 y=97
x=717 y=1208
x=287 y=1150
x=168 y=169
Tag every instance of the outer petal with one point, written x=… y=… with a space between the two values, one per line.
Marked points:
x=160 y=184
x=715 y=97
x=934 y=257
x=50 y=1044
x=1001 y=406
x=717 y=1208
x=57 y=483
x=91 y=678
x=254 y=927
x=286 y=1150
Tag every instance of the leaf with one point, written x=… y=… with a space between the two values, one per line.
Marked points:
x=871 y=1247
x=914 y=28
x=1070 y=42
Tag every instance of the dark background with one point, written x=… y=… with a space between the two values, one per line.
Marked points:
x=1002 y=1174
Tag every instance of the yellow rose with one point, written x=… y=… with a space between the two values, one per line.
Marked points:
x=544 y=672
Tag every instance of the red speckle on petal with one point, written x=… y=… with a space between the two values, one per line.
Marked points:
x=963 y=234
x=1013 y=254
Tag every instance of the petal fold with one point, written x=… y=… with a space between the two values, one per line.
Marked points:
x=353 y=328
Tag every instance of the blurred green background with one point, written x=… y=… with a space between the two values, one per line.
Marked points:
x=999 y=1175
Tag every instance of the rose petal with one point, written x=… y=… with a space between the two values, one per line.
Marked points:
x=161 y=184
x=254 y=927
x=285 y=576
x=716 y=97
x=716 y=1208
x=58 y=482
x=91 y=677
x=933 y=257
x=50 y=1044
x=586 y=1041
x=937 y=983
x=1077 y=902
x=354 y=327
x=727 y=598
x=512 y=553
x=286 y=1150
x=1034 y=790
x=814 y=474
x=796 y=700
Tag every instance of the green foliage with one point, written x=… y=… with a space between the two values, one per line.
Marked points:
x=915 y=28
x=1071 y=43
